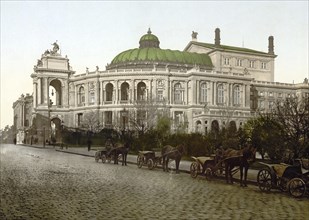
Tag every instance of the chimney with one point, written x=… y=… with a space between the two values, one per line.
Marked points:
x=271 y=45
x=194 y=36
x=217 y=37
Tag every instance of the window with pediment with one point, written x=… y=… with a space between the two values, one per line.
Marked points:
x=236 y=95
x=220 y=94
x=203 y=93
x=178 y=93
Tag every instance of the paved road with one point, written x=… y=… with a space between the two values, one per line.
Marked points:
x=47 y=184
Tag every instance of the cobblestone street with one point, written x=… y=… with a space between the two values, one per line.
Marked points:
x=47 y=184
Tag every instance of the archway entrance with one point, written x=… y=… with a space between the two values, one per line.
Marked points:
x=55 y=126
x=55 y=93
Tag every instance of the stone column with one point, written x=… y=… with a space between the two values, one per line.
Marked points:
x=39 y=91
x=98 y=93
x=76 y=95
x=102 y=93
x=117 y=92
x=214 y=98
x=46 y=93
x=170 y=91
x=87 y=94
x=35 y=86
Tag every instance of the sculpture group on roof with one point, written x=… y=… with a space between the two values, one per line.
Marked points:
x=53 y=51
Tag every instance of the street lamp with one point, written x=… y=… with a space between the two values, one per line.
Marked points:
x=62 y=125
x=124 y=114
x=43 y=136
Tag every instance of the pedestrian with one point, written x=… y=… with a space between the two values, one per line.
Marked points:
x=89 y=144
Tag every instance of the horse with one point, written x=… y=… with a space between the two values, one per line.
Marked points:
x=241 y=158
x=175 y=153
x=122 y=149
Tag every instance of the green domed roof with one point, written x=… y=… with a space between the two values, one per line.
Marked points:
x=150 y=52
x=150 y=37
x=149 y=40
x=161 y=56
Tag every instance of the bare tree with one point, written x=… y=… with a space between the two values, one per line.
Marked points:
x=91 y=122
x=145 y=114
x=293 y=116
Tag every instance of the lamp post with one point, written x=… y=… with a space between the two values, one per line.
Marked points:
x=62 y=125
x=124 y=114
x=43 y=136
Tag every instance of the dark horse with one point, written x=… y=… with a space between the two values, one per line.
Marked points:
x=122 y=149
x=175 y=153
x=241 y=159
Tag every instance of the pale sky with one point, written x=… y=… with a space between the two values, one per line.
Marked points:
x=92 y=33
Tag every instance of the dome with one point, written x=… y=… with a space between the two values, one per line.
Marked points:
x=149 y=52
x=140 y=55
x=149 y=40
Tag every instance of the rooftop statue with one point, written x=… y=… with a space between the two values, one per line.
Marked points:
x=194 y=35
x=55 y=49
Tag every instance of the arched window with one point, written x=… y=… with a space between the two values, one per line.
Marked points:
x=177 y=93
x=215 y=127
x=236 y=95
x=109 y=92
x=220 y=94
x=198 y=126
x=124 y=91
x=141 y=91
x=81 y=95
x=232 y=127
x=203 y=93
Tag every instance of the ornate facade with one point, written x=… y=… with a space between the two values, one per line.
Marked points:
x=205 y=86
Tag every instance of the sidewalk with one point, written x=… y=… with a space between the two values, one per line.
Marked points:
x=132 y=159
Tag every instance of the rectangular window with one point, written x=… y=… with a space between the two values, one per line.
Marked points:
x=263 y=65
x=220 y=97
x=261 y=104
x=251 y=64
x=270 y=104
x=160 y=95
x=108 y=118
x=178 y=117
x=239 y=62
x=91 y=98
x=79 y=119
x=226 y=61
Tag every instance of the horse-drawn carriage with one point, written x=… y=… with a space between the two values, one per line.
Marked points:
x=115 y=152
x=149 y=158
x=106 y=155
x=291 y=178
x=208 y=166
x=226 y=162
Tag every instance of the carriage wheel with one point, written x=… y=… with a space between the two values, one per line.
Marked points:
x=264 y=180
x=297 y=187
x=194 y=169
x=150 y=164
x=208 y=174
x=139 y=161
x=103 y=158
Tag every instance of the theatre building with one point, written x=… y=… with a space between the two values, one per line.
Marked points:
x=206 y=86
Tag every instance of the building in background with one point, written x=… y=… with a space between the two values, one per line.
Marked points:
x=204 y=87
x=23 y=108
